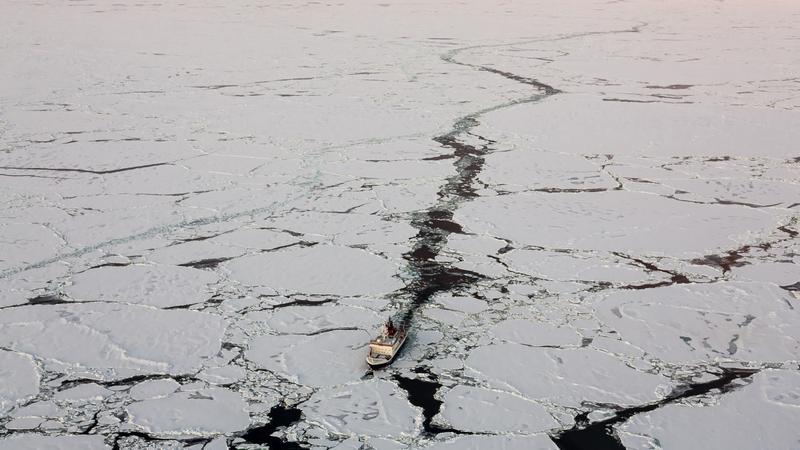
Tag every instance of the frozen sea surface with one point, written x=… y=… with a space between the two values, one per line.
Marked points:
x=587 y=210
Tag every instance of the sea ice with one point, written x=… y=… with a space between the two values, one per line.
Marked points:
x=488 y=411
x=205 y=412
x=161 y=286
x=321 y=269
x=763 y=414
x=208 y=209
x=537 y=334
x=111 y=341
x=314 y=319
x=29 y=441
x=567 y=377
x=656 y=129
x=374 y=408
x=89 y=392
x=540 y=442
x=340 y=352
x=574 y=266
x=726 y=321
x=19 y=379
x=614 y=221
x=153 y=389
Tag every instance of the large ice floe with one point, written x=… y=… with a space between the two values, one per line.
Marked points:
x=588 y=213
x=321 y=269
x=707 y=322
x=108 y=341
x=190 y=414
x=769 y=404
x=147 y=285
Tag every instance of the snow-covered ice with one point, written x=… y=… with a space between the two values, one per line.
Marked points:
x=761 y=414
x=321 y=269
x=18 y=379
x=565 y=377
x=189 y=414
x=340 y=352
x=371 y=408
x=156 y=388
x=162 y=286
x=108 y=341
x=487 y=411
x=588 y=211
x=602 y=222
x=541 y=442
x=692 y=323
x=40 y=442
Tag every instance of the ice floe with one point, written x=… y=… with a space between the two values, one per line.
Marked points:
x=321 y=269
x=726 y=321
x=161 y=286
x=204 y=412
x=31 y=441
x=372 y=407
x=326 y=359
x=762 y=414
x=487 y=411
x=616 y=220
x=110 y=341
x=19 y=379
x=567 y=377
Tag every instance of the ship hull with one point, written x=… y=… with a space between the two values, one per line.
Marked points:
x=384 y=361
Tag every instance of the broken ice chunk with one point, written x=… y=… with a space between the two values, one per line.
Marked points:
x=19 y=379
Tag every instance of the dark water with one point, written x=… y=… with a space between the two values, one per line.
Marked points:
x=280 y=416
x=422 y=394
x=601 y=436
